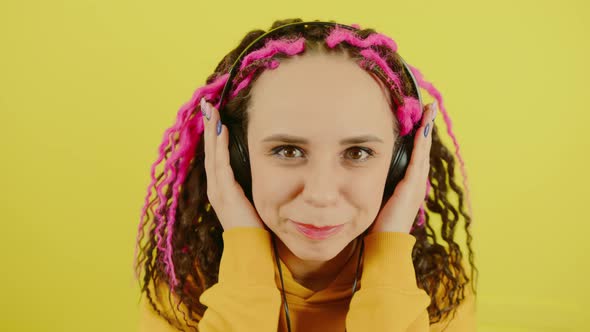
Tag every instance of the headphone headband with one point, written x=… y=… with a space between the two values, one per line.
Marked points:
x=233 y=71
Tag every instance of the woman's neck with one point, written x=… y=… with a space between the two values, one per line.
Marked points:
x=315 y=275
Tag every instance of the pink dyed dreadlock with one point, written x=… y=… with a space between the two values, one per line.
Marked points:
x=180 y=140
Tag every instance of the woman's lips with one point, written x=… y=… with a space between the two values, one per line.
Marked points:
x=317 y=233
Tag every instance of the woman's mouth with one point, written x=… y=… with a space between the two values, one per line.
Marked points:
x=317 y=233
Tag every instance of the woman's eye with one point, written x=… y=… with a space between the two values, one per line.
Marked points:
x=286 y=151
x=359 y=154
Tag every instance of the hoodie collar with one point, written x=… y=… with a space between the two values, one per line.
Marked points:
x=338 y=290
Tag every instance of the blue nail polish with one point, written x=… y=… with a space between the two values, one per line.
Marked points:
x=203 y=106
x=426 y=129
x=207 y=111
x=218 y=127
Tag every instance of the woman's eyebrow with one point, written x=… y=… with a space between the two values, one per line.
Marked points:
x=300 y=140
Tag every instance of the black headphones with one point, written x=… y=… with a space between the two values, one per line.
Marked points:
x=238 y=150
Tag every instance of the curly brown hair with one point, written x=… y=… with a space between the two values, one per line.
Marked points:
x=194 y=233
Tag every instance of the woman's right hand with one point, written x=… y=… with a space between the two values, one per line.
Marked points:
x=225 y=195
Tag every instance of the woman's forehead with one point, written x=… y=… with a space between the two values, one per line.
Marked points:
x=328 y=88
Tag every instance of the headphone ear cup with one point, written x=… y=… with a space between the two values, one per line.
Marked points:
x=239 y=160
x=399 y=165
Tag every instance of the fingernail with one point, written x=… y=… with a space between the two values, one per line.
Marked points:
x=426 y=129
x=435 y=110
x=207 y=111
x=218 y=127
x=203 y=107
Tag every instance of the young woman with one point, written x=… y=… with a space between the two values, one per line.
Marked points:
x=281 y=206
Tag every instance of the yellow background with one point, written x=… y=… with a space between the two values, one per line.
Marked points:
x=87 y=89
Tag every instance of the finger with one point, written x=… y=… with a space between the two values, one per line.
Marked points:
x=430 y=134
x=224 y=172
x=426 y=135
x=420 y=158
x=210 y=141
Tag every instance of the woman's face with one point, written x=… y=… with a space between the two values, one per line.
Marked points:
x=314 y=123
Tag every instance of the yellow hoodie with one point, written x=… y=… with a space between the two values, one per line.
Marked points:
x=248 y=296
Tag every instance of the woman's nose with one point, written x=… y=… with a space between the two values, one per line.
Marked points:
x=321 y=185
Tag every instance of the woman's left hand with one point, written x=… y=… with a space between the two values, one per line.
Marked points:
x=398 y=214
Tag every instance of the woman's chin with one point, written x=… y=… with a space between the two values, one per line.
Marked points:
x=316 y=257
x=324 y=251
